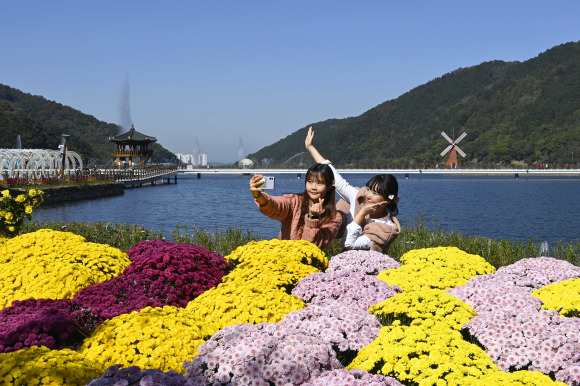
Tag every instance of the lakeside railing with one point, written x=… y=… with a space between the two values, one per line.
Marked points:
x=489 y=172
x=146 y=173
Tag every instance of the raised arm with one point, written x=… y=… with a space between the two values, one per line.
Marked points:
x=310 y=146
x=343 y=188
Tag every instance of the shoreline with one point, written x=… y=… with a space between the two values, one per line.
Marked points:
x=59 y=194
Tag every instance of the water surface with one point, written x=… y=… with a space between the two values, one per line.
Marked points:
x=546 y=209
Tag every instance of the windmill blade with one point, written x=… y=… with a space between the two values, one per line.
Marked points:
x=446 y=137
x=460 y=151
x=446 y=150
x=460 y=137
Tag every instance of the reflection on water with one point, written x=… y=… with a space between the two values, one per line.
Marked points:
x=546 y=209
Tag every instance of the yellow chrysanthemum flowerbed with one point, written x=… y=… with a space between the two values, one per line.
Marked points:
x=426 y=354
x=43 y=366
x=427 y=304
x=259 y=252
x=49 y=264
x=441 y=268
x=154 y=338
x=283 y=273
x=517 y=378
x=235 y=302
x=563 y=297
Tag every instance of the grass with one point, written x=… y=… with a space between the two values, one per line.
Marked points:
x=120 y=236
x=416 y=235
x=498 y=253
x=56 y=183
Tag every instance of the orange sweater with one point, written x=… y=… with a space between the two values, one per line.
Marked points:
x=287 y=210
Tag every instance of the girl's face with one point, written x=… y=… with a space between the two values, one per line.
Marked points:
x=373 y=197
x=315 y=187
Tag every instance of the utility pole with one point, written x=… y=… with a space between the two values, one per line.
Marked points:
x=64 y=138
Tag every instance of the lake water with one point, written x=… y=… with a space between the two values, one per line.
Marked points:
x=546 y=209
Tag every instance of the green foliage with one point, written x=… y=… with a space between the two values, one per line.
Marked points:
x=220 y=241
x=414 y=235
x=498 y=253
x=122 y=236
x=511 y=111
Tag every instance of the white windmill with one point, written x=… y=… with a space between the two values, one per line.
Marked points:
x=453 y=149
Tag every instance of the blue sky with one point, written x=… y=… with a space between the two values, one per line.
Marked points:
x=229 y=77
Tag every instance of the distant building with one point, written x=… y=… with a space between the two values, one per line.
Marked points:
x=186 y=159
x=132 y=148
x=246 y=163
x=202 y=160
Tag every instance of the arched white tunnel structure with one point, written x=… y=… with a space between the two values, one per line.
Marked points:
x=37 y=163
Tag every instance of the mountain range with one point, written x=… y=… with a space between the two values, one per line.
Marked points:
x=512 y=112
x=39 y=124
x=522 y=113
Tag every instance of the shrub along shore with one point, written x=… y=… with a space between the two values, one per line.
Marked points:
x=498 y=253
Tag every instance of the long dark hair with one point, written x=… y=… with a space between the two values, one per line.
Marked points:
x=321 y=172
x=386 y=185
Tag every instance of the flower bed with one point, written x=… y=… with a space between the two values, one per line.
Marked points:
x=285 y=314
x=160 y=274
x=47 y=264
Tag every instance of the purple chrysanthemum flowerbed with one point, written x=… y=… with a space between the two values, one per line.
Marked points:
x=161 y=273
x=273 y=354
x=261 y=354
x=53 y=323
x=351 y=288
x=364 y=261
x=354 y=377
x=346 y=328
x=515 y=332
x=133 y=376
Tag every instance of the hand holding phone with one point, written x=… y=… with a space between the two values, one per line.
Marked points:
x=267 y=183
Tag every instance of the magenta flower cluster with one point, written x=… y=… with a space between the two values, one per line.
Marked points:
x=161 y=273
x=351 y=288
x=354 y=377
x=364 y=261
x=262 y=354
x=134 y=376
x=39 y=322
x=515 y=332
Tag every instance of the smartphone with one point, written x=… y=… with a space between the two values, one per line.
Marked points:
x=267 y=183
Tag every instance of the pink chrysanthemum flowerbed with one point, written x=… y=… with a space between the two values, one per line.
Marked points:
x=279 y=312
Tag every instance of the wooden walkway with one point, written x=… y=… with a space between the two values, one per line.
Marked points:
x=139 y=176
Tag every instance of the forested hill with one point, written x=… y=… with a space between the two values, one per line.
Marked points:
x=41 y=123
x=511 y=111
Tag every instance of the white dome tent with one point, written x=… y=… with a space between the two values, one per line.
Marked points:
x=37 y=163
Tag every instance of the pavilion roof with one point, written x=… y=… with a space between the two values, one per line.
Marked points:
x=132 y=136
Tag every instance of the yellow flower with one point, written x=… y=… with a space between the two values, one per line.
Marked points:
x=54 y=265
x=563 y=297
x=172 y=335
x=32 y=192
x=6 y=193
x=443 y=355
x=441 y=268
x=40 y=365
